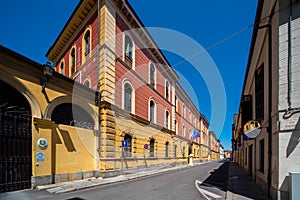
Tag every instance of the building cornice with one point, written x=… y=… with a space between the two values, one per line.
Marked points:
x=76 y=19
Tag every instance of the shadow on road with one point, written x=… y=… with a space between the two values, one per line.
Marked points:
x=218 y=177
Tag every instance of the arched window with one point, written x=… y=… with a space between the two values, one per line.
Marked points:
x=152 y=75
x=128 y=48
x=128 y=149
x=167 y=119
x=167 y=90
x=72 y=115
x=152 y=111
x=73 y=60
x=87 y=45
x=127 y=97
x=87 y=83
x=152 y=148
x=62 y=68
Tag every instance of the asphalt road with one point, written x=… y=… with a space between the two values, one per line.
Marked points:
x=202 y=182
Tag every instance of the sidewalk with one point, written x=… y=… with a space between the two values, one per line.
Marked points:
x=242 y=187
x=63 y=187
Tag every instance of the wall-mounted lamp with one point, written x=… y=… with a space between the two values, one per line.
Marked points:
x=48 y=71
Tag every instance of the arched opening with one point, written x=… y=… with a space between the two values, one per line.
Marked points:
x=15 y=140
x=128 y=97
x=87 y=83
x=87 y=42
x=152 y=111
x=72 y=115
x=152 y=75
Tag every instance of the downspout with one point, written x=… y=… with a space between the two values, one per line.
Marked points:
x=290 y=111
x=289 y=56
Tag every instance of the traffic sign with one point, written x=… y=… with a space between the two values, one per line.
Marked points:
x=146 y=146
x=124 y=143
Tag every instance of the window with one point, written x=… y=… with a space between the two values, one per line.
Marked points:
x=152 y=75
x=183 y=151
x=152 y=148
x=167 y=149
x=87 y=83
x=62 y=68
x=128 y=149
x=167 y=90
x=183 y=131
x=72 y=115
x=152 y=111
x=127 y=97
x=262 y=155
x=128 y=48
x=73 y=60
x=259 y=93
x=87 y=45
x=175 y=126
x=183 y=111
x=167 y=119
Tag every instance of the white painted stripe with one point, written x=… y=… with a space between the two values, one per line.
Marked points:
x=205 y=192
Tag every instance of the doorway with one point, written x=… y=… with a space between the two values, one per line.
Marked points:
x=15 y=140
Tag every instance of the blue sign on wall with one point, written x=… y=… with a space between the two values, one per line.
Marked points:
x=124 y=143
x=40 y=157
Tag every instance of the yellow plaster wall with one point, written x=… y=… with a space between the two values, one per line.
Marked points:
x=70 y=149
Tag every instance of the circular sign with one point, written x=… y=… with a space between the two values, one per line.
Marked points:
x=146 y=146
x=42 y=143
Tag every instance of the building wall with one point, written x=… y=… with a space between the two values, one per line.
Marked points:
x=289 y=51
x=71 y=153
x=284 y=128
x=108 y=69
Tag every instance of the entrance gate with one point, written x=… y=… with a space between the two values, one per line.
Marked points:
x=15 y=140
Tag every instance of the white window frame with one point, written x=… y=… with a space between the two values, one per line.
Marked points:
x=126 y=81
x=155 y=110
x=133 y=49
x=155 y=79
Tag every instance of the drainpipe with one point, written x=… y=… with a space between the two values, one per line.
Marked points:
x=290 y=111
x=289 y=56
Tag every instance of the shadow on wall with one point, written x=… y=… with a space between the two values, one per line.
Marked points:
x=284 y=194
x=67 y=140
x=294 y=140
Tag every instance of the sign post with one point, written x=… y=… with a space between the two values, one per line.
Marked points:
x=124 y=145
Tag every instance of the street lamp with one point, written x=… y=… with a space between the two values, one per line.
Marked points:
x=48 y=72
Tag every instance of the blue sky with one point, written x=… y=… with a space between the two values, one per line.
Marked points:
x=30 y=28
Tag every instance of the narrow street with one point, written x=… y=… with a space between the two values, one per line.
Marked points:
x=201 y=182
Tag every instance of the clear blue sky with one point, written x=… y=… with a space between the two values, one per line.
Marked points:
x=30 y=28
